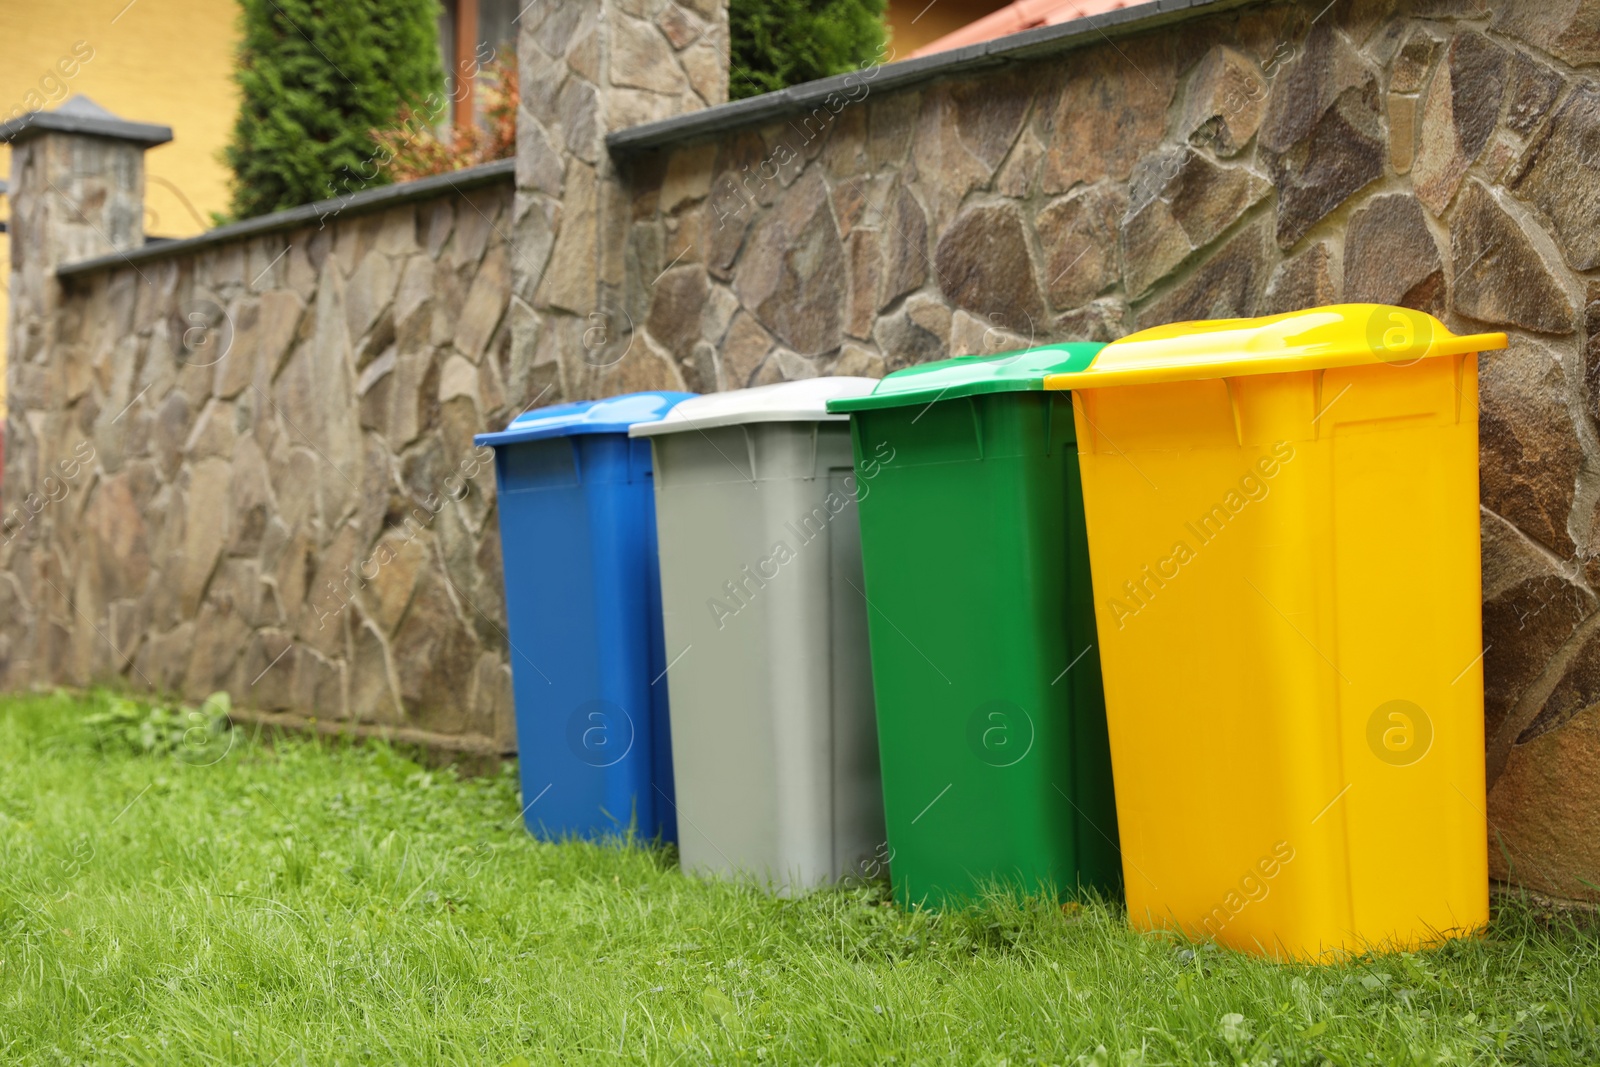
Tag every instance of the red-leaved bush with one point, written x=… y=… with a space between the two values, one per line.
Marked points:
x=417 y=147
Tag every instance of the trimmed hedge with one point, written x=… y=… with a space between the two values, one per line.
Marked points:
x=778 y=43
x=316 y=80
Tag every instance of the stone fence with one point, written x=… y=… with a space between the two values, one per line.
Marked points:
x=245 y=461
x=304 y=521
x=1162 y=163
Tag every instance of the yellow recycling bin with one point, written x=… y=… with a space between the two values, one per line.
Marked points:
x=1283 y=541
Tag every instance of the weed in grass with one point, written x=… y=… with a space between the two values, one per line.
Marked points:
x=319 y=902
x=199 y=735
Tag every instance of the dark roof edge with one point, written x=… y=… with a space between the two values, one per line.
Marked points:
x=148 y=134
x=1029 y=44
x=353 y=203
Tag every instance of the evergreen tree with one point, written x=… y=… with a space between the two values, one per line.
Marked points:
x=777 y=43
x=317 y=77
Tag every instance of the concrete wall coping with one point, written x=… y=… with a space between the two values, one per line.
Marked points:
x=81 y=115
x=1002 y=51
x=363 y=202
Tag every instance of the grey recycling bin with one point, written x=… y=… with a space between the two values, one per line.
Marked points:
x=774 y=744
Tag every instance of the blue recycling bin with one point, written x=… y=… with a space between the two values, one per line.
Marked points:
x=583 y=607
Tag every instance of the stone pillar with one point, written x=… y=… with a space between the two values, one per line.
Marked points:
x=77 y=192
x=590 y=67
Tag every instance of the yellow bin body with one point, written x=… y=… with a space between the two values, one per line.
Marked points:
x=1283 y=531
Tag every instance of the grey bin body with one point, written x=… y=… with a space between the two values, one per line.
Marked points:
x=774 y=742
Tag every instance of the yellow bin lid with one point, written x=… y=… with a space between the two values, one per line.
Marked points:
x=1344 y=335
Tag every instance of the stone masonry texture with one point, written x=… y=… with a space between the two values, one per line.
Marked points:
x=259 y=475
x=1441 y=154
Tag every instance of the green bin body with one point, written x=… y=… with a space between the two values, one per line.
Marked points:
x=986 y=678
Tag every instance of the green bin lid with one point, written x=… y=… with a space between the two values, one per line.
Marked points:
x=1009 y=372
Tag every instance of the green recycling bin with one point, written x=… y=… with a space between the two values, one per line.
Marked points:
x=986 y=677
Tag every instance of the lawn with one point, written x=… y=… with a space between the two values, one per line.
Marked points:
x=310 y=902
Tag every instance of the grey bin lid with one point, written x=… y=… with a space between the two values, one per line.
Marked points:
x=802 y=401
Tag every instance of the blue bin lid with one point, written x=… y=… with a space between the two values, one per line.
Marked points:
x=614 y=414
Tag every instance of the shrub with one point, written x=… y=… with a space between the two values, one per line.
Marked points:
x=778 y=43
x=315 y=79
x=414 y=145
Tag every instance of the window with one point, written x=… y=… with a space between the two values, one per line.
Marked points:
x=472 y=35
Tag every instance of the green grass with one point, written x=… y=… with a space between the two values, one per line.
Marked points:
x=308 y=902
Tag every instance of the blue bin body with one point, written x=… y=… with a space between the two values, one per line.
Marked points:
x=583 y=607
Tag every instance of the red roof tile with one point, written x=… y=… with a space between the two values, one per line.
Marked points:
x=1016 y=17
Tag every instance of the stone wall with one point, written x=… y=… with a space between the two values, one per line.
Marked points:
x=1253 y=160
x=182 y=521
x=593 y=66
x=250 y=467
x=245 y=462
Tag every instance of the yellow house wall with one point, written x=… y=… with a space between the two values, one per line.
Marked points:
x=162 y=61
